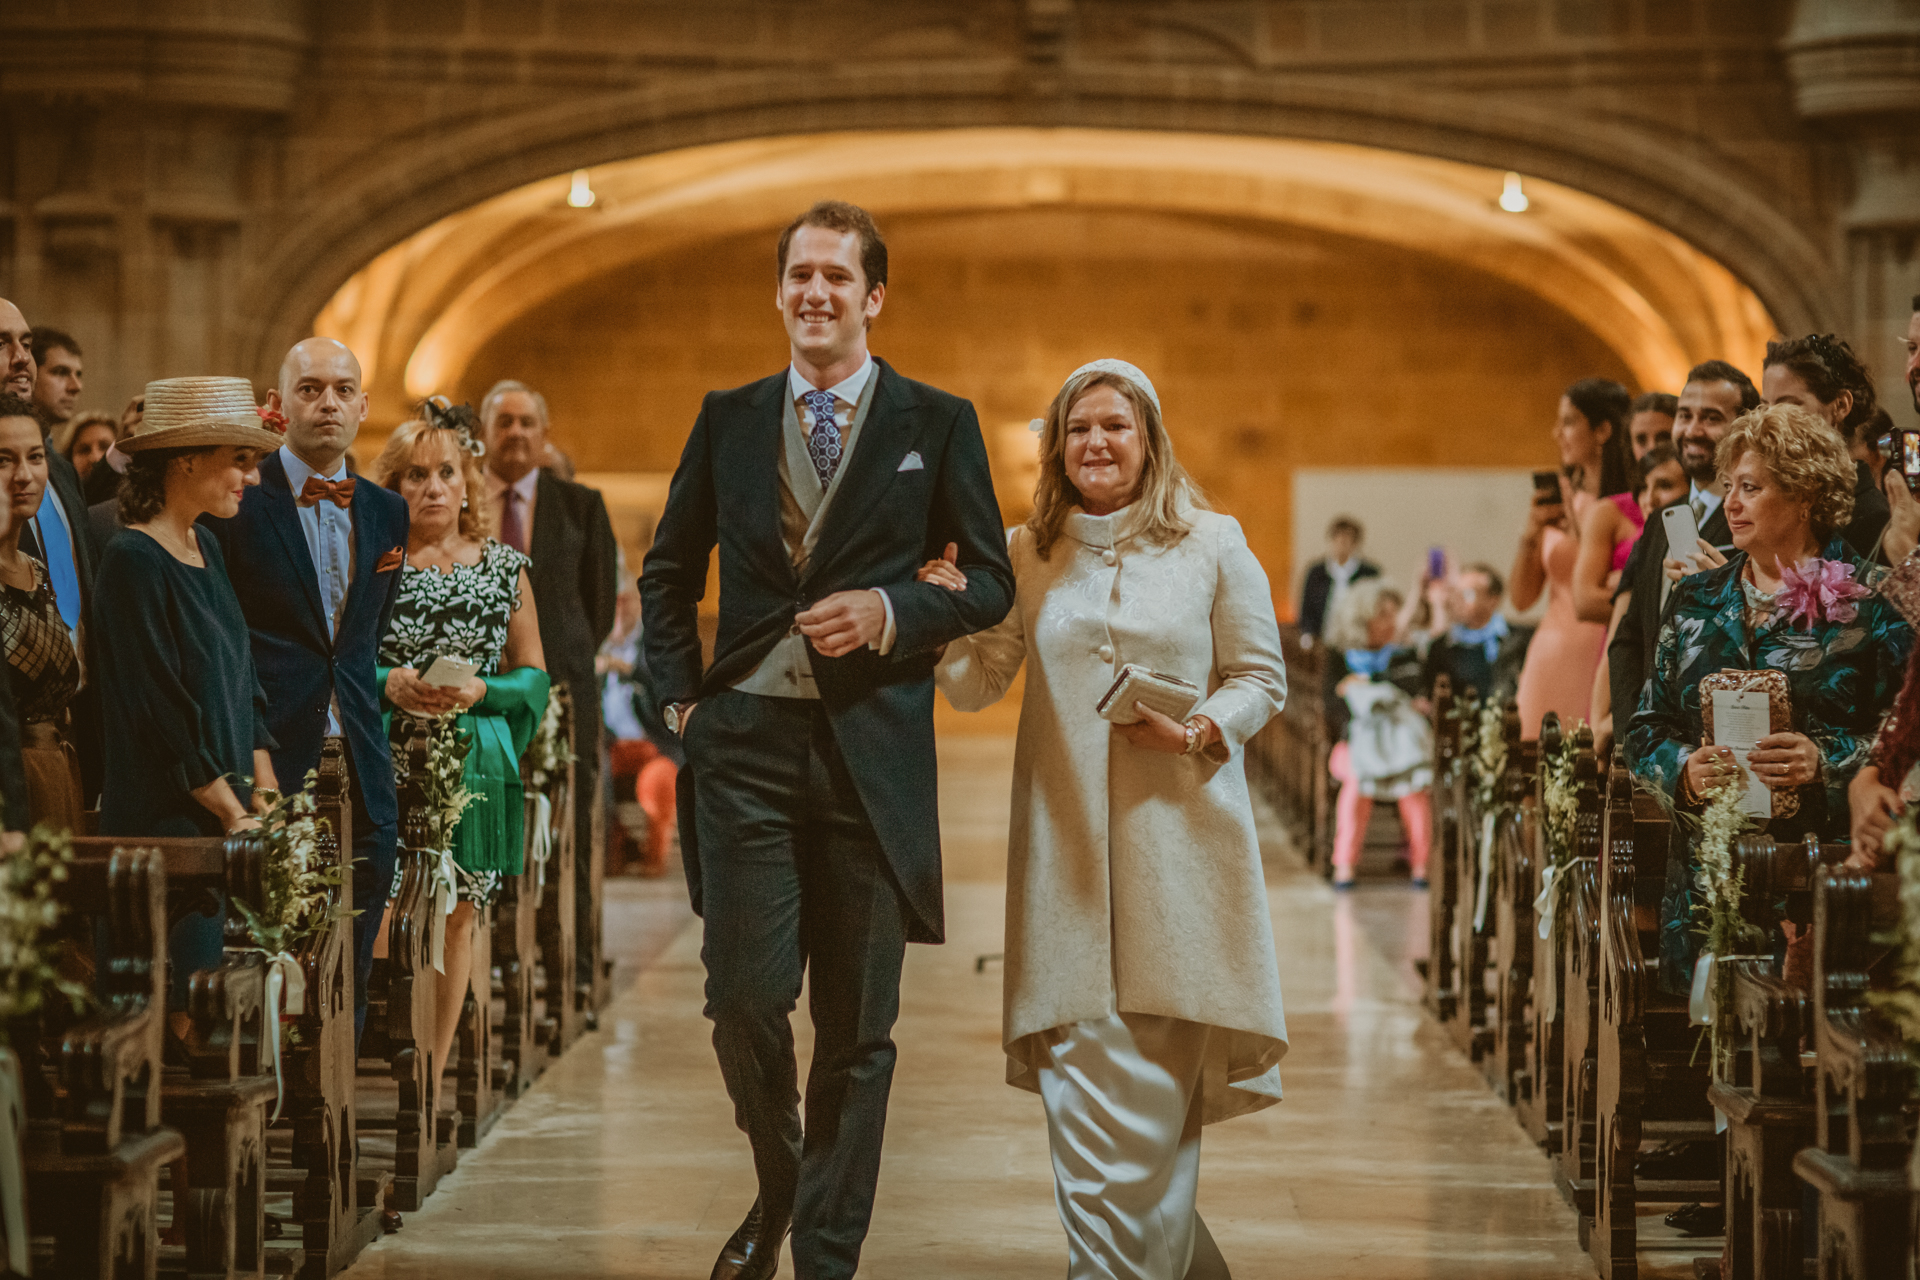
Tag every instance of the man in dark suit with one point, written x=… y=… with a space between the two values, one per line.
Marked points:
x=315 y=556
x=809 y=816
x=1716 y=393
x=59 y=535
x=564 y=528
x=1480 y=650
x=1327 y=577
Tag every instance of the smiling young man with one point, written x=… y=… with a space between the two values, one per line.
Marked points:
x=808 y=815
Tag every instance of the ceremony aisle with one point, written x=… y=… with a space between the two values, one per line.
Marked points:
x=1388 y=1159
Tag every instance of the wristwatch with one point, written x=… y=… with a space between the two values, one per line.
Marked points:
x=675 y=715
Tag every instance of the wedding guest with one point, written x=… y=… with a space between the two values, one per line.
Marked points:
x=57 y=375
x=1788 y=599
x=102 y=483
x=1651 y=422
x=187 y=744
x=644 y=758
x=1142 y=989
x=563 y=528
x=43 y=667
x=85 y=439
x=1820 y=373
x=1383 y=740
x=1590 y=435
x=1480 y=649
x=59 y=535
x=465 y=596
x=315 y=557
x=1327 y=577
x=1600 y=589
x=1714 y=395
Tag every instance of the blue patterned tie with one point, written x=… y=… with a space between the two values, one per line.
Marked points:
x=823 y=446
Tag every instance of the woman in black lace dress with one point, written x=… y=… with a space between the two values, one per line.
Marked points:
x=42 y=665
x=465 y=596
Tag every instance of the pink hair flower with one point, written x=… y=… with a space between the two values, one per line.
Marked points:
x=272 y=419
x=1819 y=591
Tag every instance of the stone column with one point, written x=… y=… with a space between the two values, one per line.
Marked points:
x=1856 y=72
x=145 y=139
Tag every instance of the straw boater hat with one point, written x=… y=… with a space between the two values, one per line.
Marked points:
x=194 y=413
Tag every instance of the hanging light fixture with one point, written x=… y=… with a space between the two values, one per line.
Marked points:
x=581 y=196
x=1513 y=198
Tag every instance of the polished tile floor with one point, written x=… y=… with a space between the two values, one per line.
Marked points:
x=1388 y=1159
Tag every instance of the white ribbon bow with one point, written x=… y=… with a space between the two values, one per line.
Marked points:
x=542 y=844
x=1480 y=894
x=445 y=897
x=1546 y=968
x=286 y=993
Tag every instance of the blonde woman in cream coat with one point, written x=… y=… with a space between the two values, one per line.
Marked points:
x=1142 y=992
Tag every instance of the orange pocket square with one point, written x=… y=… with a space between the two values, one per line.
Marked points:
x=391 y=561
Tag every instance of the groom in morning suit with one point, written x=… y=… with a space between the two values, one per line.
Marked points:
x=315 y=556
x=808 y=815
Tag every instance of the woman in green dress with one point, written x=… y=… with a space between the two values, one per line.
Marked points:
x=464 y=596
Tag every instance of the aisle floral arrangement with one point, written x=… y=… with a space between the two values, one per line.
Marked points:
x=1724 y=930
x=29 y=912
x=1559 y=817
x=548 y=755
x=298 y=879
x=1901 y=1004
x=443 y=787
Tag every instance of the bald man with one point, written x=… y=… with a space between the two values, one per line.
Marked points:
x=315 y=557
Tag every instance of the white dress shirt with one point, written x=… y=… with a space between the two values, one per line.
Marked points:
x=329 y=533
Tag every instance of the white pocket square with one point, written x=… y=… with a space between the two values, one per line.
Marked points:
x=911 y=462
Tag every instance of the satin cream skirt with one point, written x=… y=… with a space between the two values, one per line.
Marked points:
x=1122 y=1096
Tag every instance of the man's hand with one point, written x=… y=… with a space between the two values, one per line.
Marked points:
x=843 y=622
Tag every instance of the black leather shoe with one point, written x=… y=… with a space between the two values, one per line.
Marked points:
x=753 y=1251
x=1699 y=1220
x=1679 y=1162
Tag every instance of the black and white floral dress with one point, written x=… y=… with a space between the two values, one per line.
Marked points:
x=465 y=614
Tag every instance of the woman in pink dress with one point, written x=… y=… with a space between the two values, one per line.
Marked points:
x=1590 y=433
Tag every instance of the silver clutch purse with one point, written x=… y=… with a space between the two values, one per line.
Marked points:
x=1171 y=696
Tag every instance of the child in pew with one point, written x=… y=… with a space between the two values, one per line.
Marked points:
x=1383 y=741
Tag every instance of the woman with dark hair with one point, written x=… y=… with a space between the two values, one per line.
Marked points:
x=186 y=737
x=1821 y=374
x=42 y=665
x=1590 y=433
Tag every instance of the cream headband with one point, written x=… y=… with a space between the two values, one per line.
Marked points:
x=1119 y=368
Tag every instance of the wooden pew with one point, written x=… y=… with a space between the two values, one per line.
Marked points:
x=1474 y=921
x=337 y=1198
x=1510 y=916
x=1580 y=991
x=1649 y=1088
x=1287 y=759
x=557 y=914
x=1540 y=1097
x=219 y=1101
x=401 y=997
x=1863 y=1088
x=525 y=1025
x=94 y=1145
x=593 y=988
x=1451 y=826
x=479 y=1094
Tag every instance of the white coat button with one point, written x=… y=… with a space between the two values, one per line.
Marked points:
x=1106 y=653
x=1109 y=557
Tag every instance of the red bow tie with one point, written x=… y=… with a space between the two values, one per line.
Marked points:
x=338 y=492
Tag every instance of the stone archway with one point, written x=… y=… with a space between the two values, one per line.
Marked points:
x=1697 y=196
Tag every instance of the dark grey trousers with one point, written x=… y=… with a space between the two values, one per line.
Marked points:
x=793 y=877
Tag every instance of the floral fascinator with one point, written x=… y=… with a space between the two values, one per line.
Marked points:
x=460 y=419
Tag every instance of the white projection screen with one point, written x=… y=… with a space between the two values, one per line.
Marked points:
x=1476 y=513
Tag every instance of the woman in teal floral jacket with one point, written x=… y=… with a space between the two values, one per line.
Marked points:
x=1790 y=599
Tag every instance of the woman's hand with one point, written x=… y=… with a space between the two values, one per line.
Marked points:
x=1705 y=556
x=469 y=694
x=246 y=822
x=1708 y=768
x=1784 y=761
x=1539 y=517
x=944 y=572
x=1348 y=684
x=1155 y=732
x=407 y=691
x=1874 y=806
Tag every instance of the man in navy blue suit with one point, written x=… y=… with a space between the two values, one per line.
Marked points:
x=315 y=556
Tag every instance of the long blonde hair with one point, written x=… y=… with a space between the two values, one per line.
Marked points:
x=1166 y=493
x=477 y=519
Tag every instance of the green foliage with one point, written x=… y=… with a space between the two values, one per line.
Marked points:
x=444 y=781
x=1901 y=1004
x=298 y=880
x=28 y=912
x=549 y=751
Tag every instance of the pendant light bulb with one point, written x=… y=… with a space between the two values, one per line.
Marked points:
x=580 y=195
x=1513 y=198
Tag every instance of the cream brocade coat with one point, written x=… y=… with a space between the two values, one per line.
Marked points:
x=1134 y=881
